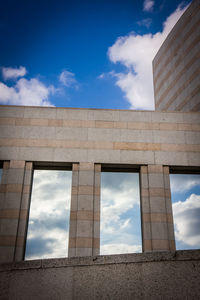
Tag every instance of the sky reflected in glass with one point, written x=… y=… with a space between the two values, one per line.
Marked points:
x=120 y=213
x=185 y=190
x=48 y=227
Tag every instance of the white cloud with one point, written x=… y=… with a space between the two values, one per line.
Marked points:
x=120 y=248
x=148 y=5
x=49 y=215
x=119 y=202
x=187 y=221
x=24 y=91
x=183 y=182
x=68 y=79
x=13 y=73
x=136 y=53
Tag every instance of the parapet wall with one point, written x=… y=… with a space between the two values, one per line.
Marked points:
x=154 y=276
x=89 y=140
x=99 y=136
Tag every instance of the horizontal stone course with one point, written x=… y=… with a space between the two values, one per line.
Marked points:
x=84 y=215
x=83 y=242
x=12 y=213
x=10 y=240
x=129 y=125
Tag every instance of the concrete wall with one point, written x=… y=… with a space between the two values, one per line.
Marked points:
x=176 y=66
x=88 y=139
x=173 y=275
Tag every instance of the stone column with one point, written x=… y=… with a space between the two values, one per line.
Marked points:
x=84 y=233
x=156 y=209
x=15 y=187
x=24 y=213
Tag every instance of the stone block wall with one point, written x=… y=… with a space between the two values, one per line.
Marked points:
x=87 y=139
x=151 y=276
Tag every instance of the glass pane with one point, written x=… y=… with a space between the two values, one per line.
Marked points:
x=120 y=213
x=185 y=190
x=49 y=215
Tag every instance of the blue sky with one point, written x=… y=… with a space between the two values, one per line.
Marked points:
x=94 y=54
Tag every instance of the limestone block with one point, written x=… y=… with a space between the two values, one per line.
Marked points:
x=192 y=137
x=38 y=113
x=85 y=202
x=96 y=203
x=135 y=116
x=156 y=180
x=146 y=230
x=6 y=253
x=169 y=137
x=168 y=117
x=191 y=118
x=86 y=178
x=145 y=205
x=104 y=115
x=103 y=134
x=11 y=112
x=73 y=228
x=70 y=155
x=144 y=181
x=159 y=231
x=11 y=132
x=38 y=132
x=84 y=228
x=36 y=153
x=8 y=227
x=79 y=134
x=103 y=156
x=171 y=158
x=12 y=200
x=71 y=114
x=96 y=229
x=137 y=157
x=83 y=251
x=15 y=176
x=137 y=136
x=157 y=205
x=193 y=159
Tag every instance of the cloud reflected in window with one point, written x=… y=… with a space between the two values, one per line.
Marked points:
x=48 y=226
x=185 y=190
x=120 y=213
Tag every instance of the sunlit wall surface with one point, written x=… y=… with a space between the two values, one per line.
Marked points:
x=49 y=215
x=185 y=190
x=120 y=213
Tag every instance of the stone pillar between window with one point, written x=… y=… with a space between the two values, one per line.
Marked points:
x=156 y=209
x=84 y=233
x=15 y=195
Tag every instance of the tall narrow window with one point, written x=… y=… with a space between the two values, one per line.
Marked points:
x=48 y=226
x=120 y=213
x=185 y=190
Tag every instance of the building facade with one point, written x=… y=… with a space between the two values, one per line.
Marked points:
x=176 y=66
x=89 y=141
